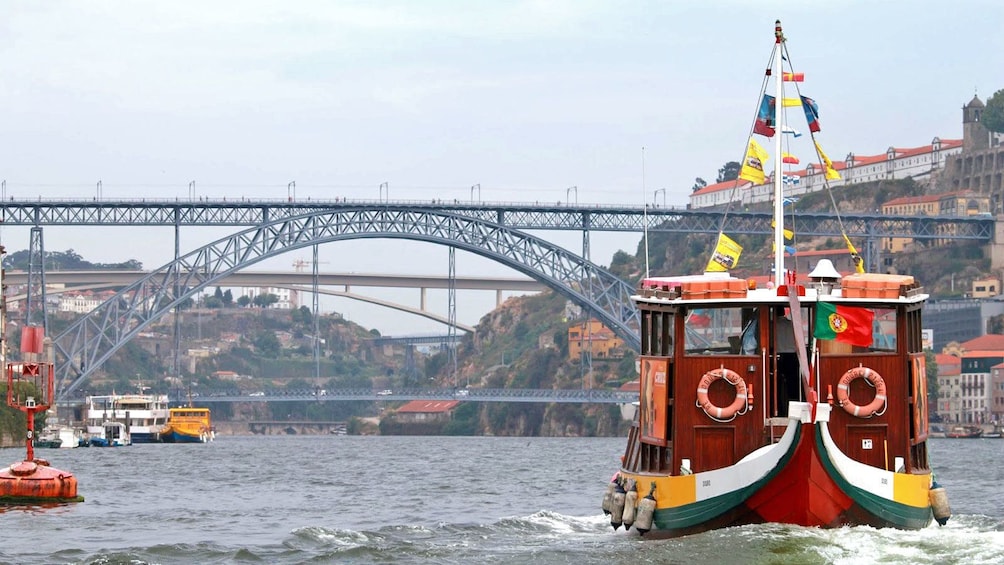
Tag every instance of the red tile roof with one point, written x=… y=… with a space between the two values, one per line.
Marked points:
x=946 y=359
x=428 y=406
x=927 y=198
x=983 y=354
x=989 y=342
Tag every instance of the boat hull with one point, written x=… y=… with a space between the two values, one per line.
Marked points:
x=802 y=480
x=174 y=436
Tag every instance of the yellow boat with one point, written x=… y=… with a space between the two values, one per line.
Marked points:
x=188 y=425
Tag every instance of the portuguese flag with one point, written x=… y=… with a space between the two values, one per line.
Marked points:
x=849 y=324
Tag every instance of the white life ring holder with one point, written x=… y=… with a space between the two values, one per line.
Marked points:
x=876 y=407
x=722 y=414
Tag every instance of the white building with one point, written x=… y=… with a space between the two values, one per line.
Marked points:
x=896 y=163
x=288 y=299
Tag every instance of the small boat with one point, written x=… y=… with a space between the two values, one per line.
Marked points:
x=58 y=437
x=48 y=442
x=966 y=432
x=188 y=424
x=111 y=434
x=780 y=399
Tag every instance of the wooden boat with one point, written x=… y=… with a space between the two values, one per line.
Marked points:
x=965 y=432
x=188 y=424
x=792 y=401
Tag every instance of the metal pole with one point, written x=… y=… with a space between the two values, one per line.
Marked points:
x=191 y=190
x=291 y=192
x=478 y=187
x=317 y=325
x=384 y=187
x=572 y=189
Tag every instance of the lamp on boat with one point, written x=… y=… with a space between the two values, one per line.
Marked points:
x=824 y=276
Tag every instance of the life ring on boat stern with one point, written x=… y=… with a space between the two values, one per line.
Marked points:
x=738 y=405
x=872 y=378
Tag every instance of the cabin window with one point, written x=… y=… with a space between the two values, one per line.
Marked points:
x=657 y=332
x=720 y=331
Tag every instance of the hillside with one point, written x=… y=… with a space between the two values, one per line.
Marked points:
x=944 y=271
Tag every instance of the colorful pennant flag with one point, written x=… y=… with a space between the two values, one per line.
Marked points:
x=789 y=158
x=848 y=324
x=791 y=102
x=765 y=117
x=793 y=132
x=789 y=250
x=789 y=200
x=831 y=173
x=859 y=263
x=811 y=113
x=791 y=180
x=752 y=168
x=788 y=234
x=793 y=77
x=726 y=255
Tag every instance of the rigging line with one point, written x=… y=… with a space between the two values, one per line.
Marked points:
x=756 y=115
x=815 y=147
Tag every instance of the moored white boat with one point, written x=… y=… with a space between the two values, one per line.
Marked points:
x=143 y=415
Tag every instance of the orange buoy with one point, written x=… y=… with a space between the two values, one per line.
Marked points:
x=31 y=482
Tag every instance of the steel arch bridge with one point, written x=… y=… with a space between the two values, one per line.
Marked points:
x=93 y=338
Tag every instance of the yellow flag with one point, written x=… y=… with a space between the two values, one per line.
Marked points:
x=788 y=234
x=725 y=256
x=752 y=169
x=859 y=262
x=831 y=173
x=790 y=102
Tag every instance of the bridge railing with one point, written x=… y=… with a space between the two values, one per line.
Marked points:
x=579 y=396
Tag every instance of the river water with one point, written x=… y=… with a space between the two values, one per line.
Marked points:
x=349 y=499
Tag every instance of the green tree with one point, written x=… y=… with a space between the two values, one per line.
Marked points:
x=243 y=301
x=699 y=183
x=267 y=344
x=729 y=171
x=993 y=114
x=265 y=300
x=228 y=298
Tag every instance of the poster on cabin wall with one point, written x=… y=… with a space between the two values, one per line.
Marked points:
x=652 y=400
x=919 y=376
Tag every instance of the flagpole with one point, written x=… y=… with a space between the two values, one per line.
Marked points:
x=778 y=189
x=645 y=211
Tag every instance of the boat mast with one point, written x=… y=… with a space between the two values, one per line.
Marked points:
x=779 y=124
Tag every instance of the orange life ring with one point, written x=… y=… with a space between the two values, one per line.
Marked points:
x=717 y=412
x=844 y=391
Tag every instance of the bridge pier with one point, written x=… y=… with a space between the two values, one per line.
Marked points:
x=996 y=245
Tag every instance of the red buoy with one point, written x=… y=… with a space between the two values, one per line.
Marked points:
x=30 y=390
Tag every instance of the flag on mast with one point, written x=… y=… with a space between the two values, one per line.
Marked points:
x=811 y=113
x=765 y=117
x=725 y=256
x=793 y=77
x=789 y=158
x=831 y=173
x=752 y=168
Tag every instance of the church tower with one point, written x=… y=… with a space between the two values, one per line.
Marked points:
x=974 y=135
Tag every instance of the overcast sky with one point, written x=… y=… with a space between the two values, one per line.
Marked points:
x=525 y=98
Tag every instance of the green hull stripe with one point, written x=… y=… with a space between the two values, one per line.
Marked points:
x=705 y=510
x=892 y=512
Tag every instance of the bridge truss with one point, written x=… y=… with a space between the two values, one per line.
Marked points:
x=93 y=338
